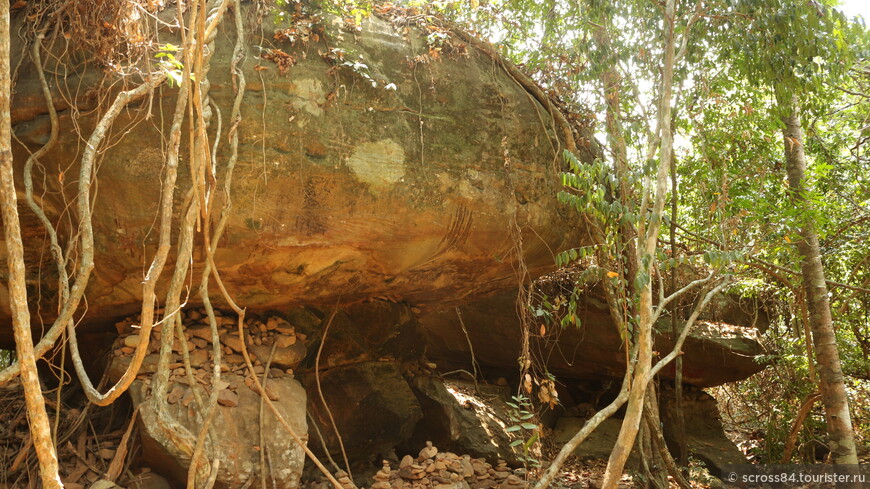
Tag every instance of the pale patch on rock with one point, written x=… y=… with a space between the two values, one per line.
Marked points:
x=310 y=96
x=379 y=164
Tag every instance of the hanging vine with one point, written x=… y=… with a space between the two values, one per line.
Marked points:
x=125 y=46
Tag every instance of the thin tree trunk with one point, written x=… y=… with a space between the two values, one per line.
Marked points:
x=679 y=415
x=643 y=448
x=830 y=372
x=804 y=318
x=804 y=411
x=40 y=428
x=652 y=417
x=650 y=427
x=646 y=254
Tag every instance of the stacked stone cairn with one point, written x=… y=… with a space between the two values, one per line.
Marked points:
x=445 y=470
x=271 y=341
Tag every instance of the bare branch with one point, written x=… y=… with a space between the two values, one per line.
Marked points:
x=691 y=285
x=696 y=15
x=829 y=282
x=678 y=345
x=587 y=429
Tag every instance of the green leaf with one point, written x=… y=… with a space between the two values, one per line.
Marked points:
x=531 y=441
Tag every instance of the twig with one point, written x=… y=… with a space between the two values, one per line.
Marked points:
x=320 y=390
x=829 y=282
x=117 y=463
x=691 y=285
x=322 y=440
x=806 y=407
x=470 y=349
x=262 y=437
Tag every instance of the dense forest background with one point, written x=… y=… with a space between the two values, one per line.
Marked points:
x=741 y=69
x=721 y=95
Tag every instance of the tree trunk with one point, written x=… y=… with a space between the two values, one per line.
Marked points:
x=652 y=418
x=40 y=428
x=680 y=416
x=830 y=372
x=646 y=255
x=804 y=411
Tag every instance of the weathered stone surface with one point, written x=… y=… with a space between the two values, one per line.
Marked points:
x=459 y=421
x=373 y=406
x=287 y=357
x=369 y=332
x=732 y=309
x=227 y=398
x=148 y=480
x=705 y=437
x=714 y=353
x=167 y=443
x=600 y=442
x=364 y=192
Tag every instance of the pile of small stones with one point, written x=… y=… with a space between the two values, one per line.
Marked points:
x=273 y=341
x=441 y=470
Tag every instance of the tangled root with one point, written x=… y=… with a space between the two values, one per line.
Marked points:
x=112 y=32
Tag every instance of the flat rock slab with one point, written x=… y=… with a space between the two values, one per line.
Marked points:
x=714 y=353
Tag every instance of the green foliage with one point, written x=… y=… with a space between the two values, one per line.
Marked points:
x=6 y=358
x=744 y=59
x=521 y=415
x=561 y=310
x=588 y=187
x=169 y=64
x=791 y=46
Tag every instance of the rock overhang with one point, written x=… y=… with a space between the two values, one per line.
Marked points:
x=410 y=189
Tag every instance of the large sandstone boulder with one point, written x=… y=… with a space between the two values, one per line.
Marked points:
x=238 y=426
x=466 y=418
x=371 y=404
x=342 y=189
x=343 y=192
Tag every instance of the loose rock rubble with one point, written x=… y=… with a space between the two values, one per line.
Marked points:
x=272 y=342
x=433 y=469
